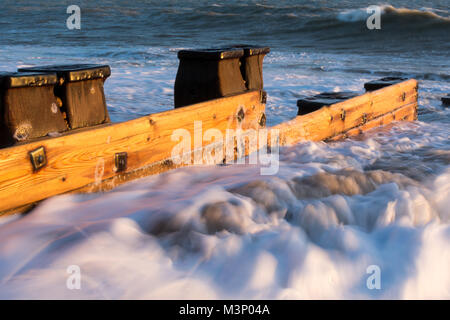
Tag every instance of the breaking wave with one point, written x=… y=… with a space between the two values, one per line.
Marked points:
x=390 y=12
x=196 y=23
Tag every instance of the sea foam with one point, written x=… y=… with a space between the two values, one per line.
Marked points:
x=311 y=231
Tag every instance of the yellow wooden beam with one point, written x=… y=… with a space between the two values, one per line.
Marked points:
x=84 y=161
x=88 y=157
x=338 y=118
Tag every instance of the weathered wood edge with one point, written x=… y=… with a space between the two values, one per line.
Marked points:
x=338 y=118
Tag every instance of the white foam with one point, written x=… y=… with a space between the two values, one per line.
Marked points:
x=223 y=232
x=361 y=14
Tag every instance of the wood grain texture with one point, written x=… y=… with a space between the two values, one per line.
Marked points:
x=338 y=118
x=405 y=113
x=80 y=159
x=31 y=112
x=253 y=71
x=84 y=103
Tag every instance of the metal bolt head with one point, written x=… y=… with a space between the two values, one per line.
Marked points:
x=38 y=158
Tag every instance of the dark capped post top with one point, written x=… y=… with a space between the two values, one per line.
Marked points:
x=211 y=54
x=446 y=100
x=74 y=72
x=236 y=51
x=310 y=104
x=383 y=82
x=26 y=79
x=250 y=50
x=206 y=74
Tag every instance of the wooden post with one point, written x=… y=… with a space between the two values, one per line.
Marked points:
x=446 y=100
x=310 y=104
x=207 y=74
x=383 y=82
x=80 y=88
x=252 y=66
x=28 y=107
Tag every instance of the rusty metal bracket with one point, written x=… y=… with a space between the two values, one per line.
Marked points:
x=364 y=118
x=263 y=97
x=120 y=160
x=262 y=120
x=343 y=115
x=38 y=158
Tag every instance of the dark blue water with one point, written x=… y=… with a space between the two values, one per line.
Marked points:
x=322 y=40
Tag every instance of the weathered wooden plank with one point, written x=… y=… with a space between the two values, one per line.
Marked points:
x=80 y=159
x=335 y=119
x=405 y=113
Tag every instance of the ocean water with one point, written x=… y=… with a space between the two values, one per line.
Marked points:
x=310 y=231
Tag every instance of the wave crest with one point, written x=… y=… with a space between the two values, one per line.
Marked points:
x=390 y=11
